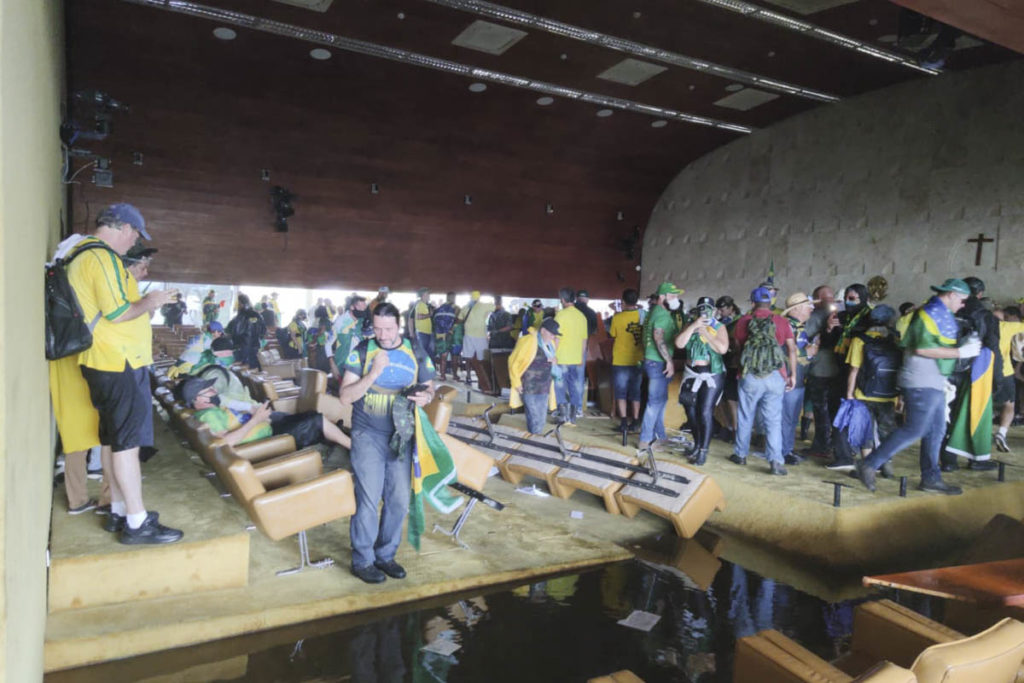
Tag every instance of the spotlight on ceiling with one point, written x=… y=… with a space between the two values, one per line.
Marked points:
x=281 y=200
x=224 y=33
x=604 y=113
x=549 y=208
x=477 y=87
x=467 y=200
x=374 y=188
x=320 y=54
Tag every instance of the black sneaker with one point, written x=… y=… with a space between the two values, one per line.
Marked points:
x=887 y=471
x=982 y=465
x=777 y=469
x=151 y=532
x=391 y=568
x=737 y=459
x=939 y=486
x=840 y=465
x=634 y=427
x=793 y=459
x=84 y=507
x=114 y=523
x=699 y=457
x=369 y=574
x=866 y=475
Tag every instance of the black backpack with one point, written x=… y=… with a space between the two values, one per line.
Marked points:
x=879 y=368
x=284 y=340
x=67 y=332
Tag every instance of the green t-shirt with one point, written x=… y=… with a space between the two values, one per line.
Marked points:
x=221 y=420
x=658 y=319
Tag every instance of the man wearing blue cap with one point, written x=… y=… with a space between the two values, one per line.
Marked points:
x=115 y=366
x=929 y=357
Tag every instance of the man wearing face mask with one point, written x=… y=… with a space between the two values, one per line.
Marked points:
x=659 y=336
x=348 y=331
x=854 y=314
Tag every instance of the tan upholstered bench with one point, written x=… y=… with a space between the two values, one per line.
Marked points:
x=687 y=510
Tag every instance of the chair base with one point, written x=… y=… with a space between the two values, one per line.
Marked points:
x=304 y=561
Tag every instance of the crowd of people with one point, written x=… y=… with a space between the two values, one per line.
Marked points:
x=872 y=380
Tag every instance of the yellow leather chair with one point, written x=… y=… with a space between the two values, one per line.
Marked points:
x=993 y=656
x=288 y=495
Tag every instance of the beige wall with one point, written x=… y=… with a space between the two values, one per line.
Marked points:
x=893 y=182
x=31 y=201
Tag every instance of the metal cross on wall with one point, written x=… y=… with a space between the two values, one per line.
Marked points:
x=980 y=240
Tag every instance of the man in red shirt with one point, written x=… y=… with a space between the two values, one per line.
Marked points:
x=767 y=370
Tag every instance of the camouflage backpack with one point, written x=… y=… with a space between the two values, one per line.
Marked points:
x=762 y=354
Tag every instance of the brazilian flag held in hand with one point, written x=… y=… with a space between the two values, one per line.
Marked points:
x=432 y=470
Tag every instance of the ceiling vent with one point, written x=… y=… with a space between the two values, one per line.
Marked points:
x=631 y=72
x=487 y=37
x=315 y=5
x=806 y=7
x=746 y=99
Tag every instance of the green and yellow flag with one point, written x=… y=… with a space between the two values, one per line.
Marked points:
x=432 y=470
x=971 y=432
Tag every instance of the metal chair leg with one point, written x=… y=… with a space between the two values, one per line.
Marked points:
x=304 y=561
x=459 y=523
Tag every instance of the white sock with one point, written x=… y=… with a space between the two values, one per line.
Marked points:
x=135 y=520
x=1002 y=431
x=117 y=508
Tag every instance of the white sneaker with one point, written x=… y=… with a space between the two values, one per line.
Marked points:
x=1000 y=442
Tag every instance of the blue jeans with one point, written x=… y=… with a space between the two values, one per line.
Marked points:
x=380 y=475
x=792 y=404
x=926 y=420
x=570 y=387
x=536 y=406
x=761 y=397
x=626 y=382
x=426 y=342
x=653 y=425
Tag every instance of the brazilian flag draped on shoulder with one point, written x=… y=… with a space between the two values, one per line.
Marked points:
x=933 y=326
x=432 y=470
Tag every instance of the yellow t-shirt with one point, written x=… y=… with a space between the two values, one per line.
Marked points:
x=1007 y=331
x=855 y=358
x=101 y=284
x=629 y=338
x=425 y=325
x=476 y=321
x=572 y=325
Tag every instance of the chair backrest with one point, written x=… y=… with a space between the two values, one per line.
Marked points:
x=440 y=409
x=895 y=633
x=992 y=656
x=312 y=384
x=886 y=672
x=237 y=474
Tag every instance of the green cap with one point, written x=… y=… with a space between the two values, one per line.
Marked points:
x=953 y=284
x=669 y=288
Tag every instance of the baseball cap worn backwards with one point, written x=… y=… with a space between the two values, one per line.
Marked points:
x=761 y=295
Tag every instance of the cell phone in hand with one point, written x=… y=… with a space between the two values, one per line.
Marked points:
x=415 y=389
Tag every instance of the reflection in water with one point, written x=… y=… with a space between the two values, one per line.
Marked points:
x=562 y=629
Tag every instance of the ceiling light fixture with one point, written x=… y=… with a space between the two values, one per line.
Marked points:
x=477 y=87
x=514 y=16
x=549 y=208
x=760 y=14
x=320 y=54
x=467 y=200
x=733 y=87
x=224 y=33
x=374 y=188
x=545 y=101
x=660 y=123
x=415 y=59
x=604 y=113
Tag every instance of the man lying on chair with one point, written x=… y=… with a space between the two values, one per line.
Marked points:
x=245 y=422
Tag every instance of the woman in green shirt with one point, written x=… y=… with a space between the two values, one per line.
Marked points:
x=705 y=340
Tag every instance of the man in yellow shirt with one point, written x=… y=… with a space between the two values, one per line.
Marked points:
x=115 y=366
x=474 y=343
x=1005 y=390
x=423 y=323
x=571 y=351
x=627 y=352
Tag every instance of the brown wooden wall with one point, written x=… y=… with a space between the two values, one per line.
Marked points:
x=208 y=116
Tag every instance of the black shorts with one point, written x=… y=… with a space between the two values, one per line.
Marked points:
x=125 y=406
x=1005 y=390
x=306 y=428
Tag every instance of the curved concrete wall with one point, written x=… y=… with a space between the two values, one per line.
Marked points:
x=893 y=183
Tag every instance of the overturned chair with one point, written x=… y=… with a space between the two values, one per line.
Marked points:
x=287 y=495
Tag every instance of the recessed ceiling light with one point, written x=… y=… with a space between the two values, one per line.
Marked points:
x=637 y=15
x=692 y=88
x=545 y=101
x=771 y=53
x=224 y=33
x=604 y=113
x=563 y=56
x=477 y=87
x=872 y=22
x=888 y=38
x=660 y=123
x=734 y=87
x=320 y=53
x=401 y=15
